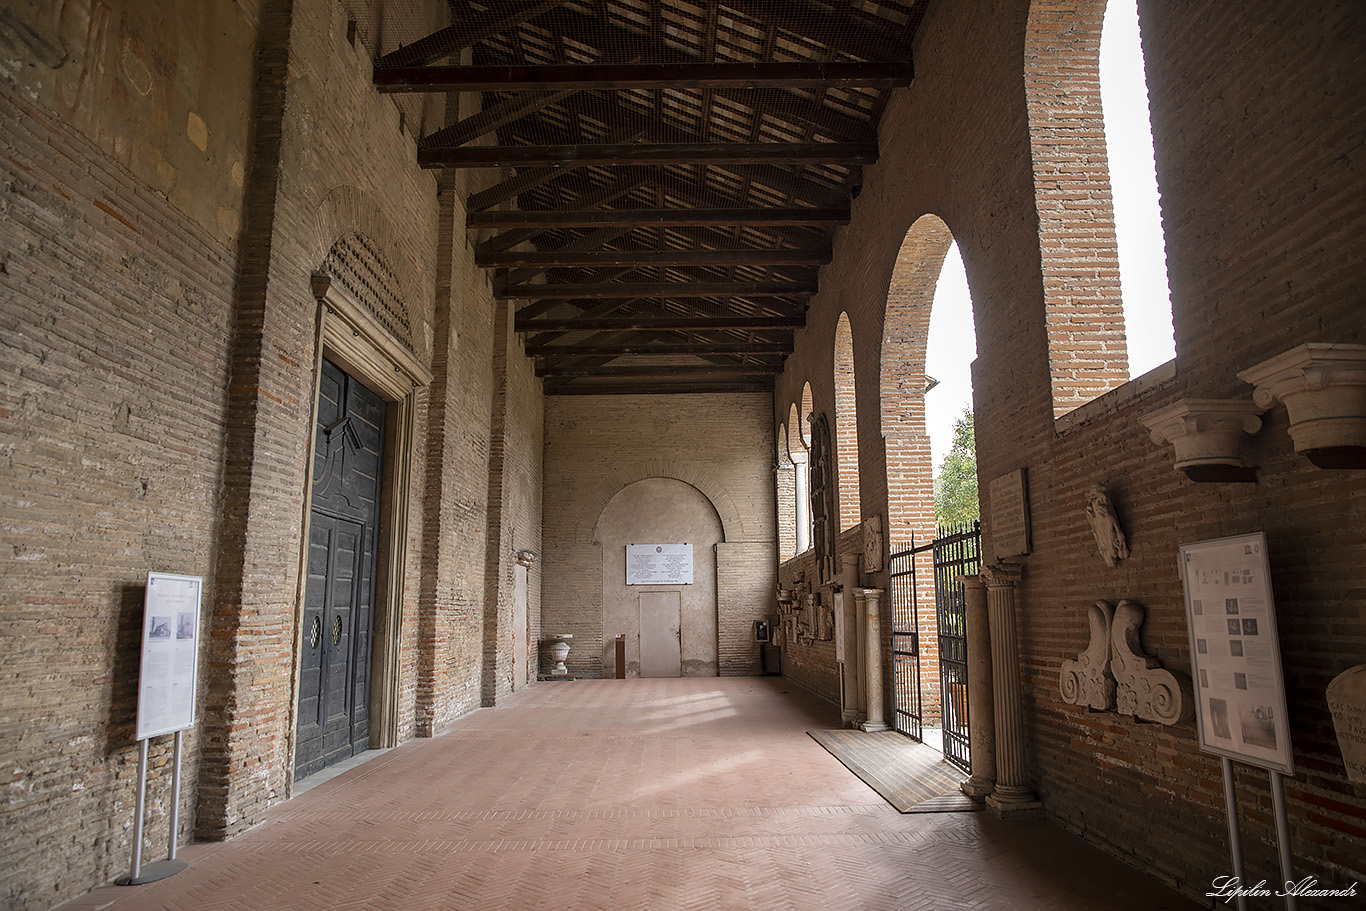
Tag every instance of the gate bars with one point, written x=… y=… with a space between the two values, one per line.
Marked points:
x=956 y=552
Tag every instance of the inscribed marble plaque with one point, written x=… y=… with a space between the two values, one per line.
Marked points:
x=1009 y=515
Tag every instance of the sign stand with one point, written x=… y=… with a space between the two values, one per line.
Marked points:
x=1236 y=669
x=166 y=700
x=138 y=874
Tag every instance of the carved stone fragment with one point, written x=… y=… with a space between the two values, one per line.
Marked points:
x=1142 y=688
x=1087 y=680
x=1100 y=515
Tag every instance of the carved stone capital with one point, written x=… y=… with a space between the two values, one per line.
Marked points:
x=1142 y=688
x=1323 y=388
x=1206 y=433
x=526 y=557
x=1002 y=575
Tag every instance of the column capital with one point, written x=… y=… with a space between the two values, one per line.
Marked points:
x=1002 y=575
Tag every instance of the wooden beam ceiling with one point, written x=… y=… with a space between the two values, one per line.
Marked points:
x=670 y=184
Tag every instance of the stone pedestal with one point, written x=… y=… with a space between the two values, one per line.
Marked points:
x=981 y=712
x=852 y=622
x=1012 y=796
x=870 y=605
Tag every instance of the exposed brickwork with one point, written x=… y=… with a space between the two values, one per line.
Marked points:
x=156 y=387
x=1077 y=243
x=845 y=421
x=113 y=343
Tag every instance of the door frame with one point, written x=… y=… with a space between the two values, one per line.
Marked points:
x=350 y=337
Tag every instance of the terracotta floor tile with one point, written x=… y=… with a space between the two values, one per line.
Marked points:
x=657 y=795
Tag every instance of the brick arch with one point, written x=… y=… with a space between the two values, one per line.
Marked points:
x=846 y=425
x=902 y=380
x=733 y=526
x=1087 y=352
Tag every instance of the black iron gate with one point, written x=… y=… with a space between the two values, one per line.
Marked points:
x=908 y=717
x=956 y=552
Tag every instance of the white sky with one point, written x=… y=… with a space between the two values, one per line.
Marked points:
x=1142 y=259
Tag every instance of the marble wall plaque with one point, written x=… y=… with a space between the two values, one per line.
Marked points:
x=1009 y=500
x=1347 y=702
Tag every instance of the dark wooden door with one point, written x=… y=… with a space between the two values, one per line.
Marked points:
x=339 y=594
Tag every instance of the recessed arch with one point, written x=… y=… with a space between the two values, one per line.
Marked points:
x=846 y=426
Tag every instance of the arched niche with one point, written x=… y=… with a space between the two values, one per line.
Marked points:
x=660 y=511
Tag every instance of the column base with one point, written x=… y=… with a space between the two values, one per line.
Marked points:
x=977 y=788
x=849 y=718
x=872 y=727
x=1014 y=803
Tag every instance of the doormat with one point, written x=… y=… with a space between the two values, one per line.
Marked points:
x=910 y=776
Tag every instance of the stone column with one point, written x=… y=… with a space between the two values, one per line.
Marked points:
x=870 y=603
x=981 y=713
x=803 y=504
x=850 y=623
x=1012 y=796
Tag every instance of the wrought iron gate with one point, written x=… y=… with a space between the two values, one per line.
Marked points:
x=956 y=552
x=907 y=718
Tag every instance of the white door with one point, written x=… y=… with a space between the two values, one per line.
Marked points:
x=660 y=653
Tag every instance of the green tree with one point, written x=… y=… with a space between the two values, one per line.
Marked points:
x=955 y=486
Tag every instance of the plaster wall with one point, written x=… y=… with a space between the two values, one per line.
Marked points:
x=660 y=511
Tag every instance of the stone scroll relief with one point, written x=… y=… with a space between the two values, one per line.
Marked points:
x=1087 y=679
x=1114 y=674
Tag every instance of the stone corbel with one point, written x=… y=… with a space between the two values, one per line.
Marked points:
x=1087 y=680
x=1207 y=435
x=1142 y=688
x=1323 y=387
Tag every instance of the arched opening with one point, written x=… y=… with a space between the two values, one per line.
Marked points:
x=846 y=426
x=1133 y=177
x=785 y=496
x=910 y=498
x=801 y=479
x=1087 y=352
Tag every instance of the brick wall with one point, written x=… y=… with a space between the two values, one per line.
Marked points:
x=1255 y=140
x=596 y=445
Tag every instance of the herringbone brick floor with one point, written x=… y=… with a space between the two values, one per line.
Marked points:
x=659 y=795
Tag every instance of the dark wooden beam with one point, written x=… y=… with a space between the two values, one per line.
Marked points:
x=632 y=349
x=596 y=259
x=626 y=76
x=447 y=41
x=657 y=290
x=490 y=118
x=648 y=323
x=844 y=153
x=660 y=370
x=571 y=387
x=668 y=218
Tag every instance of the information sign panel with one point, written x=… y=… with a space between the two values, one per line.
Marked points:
x=659 y=564
x=1235 y=651
x=170 y=654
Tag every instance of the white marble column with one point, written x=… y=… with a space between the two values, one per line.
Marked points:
x=870 y=604
x=981 y=712
x=851 y=622
x=1012 y=796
